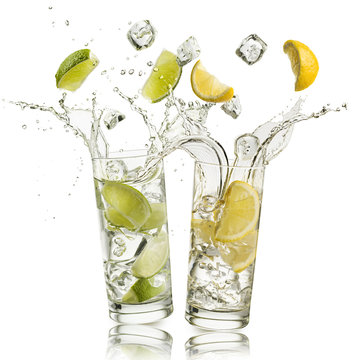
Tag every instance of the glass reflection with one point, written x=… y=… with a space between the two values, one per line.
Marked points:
x=218 y=346
x=130 y=342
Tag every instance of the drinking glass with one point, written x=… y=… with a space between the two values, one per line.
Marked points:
x=224 y=233
x=131 y=204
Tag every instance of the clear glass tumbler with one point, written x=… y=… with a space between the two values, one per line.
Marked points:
x=224 y=233
x=134 y=235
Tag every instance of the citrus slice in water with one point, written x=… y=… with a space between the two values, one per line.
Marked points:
x=157 y=218
x=141 y=291
x=130 y=204
x=153 y=258
x=240 y=213
x=116 y=219
x=164 y=77
x=207 y=87
x=304 y=63
x=240 y=254
x=75 y=68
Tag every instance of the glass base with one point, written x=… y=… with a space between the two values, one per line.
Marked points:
x=217 y=320
x=140 y=313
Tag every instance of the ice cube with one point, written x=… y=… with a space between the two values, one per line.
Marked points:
x=112 y=118
x=232 y=107
x=246 y=146
x=116 y=170
x=188 y=51
x=141 y=35
x=251 y=49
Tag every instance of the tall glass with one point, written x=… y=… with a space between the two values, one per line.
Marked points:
x=134 y=237
x=224 y=233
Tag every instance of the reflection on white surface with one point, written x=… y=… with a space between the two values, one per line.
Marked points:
x=217 y=346
x=130 y=342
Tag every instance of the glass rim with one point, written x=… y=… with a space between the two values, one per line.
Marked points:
x=229 y=166
x=126 y=154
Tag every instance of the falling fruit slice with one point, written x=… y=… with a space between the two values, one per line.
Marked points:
x=304 y=63
x=207 y=87
x=163 y=79
x=75 y=68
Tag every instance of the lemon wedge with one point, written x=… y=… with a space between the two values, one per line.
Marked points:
x=304 y=63
x=207 y=87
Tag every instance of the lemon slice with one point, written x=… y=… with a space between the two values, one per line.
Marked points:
x=141 y=291
x=240 y=213
x=240 y=254
x=75 y=68
x=157 y=218
x=131 y=205
x=164 y=77
x=153 y=258
x=207 y=87
x=303 y=63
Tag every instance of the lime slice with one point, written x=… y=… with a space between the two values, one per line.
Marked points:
x=153 y=258
x=164 y=77
x=75 y=68
x=141 y=291
x=131 y=205
x=116 y=219
x=157 y=218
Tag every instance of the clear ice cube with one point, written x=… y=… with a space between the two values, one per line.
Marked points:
x=188 y=51
x=141 y=35
x=232 y=107
x=251 y=49
x=112 y=118
x=116 y=170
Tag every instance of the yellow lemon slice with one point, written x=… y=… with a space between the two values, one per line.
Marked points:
x=240 y=254
x=303 y=63
x=240 y=213
x=207 y=87
x=75 y=68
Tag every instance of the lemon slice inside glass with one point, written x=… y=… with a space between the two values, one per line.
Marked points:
x=164 y=77
x=128 y=206
x=75 y=68
x=153 y=258
x=240 y=213
x=207 y=87
x=141 y=291
x=304 y=63
x=239 y=254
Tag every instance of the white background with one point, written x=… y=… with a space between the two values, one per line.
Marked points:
x=306 y=291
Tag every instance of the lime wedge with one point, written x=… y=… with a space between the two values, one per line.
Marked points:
x=131 y=205
x=164 y=77
x=141 y=291
x=157 y=218
x=116 y=219
x=153 y=258
x=75 y=68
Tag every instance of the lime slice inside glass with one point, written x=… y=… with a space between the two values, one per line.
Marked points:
x=141 y=291
x=157 y=218
x=75 y=68
x=153 y=258
x=128 y=206
x=164 y=77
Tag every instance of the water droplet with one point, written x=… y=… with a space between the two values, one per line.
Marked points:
x=123 y=72
x=150 y=63
x=103 y=72
x=24 y=127
x=140 y=73
x=155 y=69
x=131 y=71
x=50 y=7
x=67 y=22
